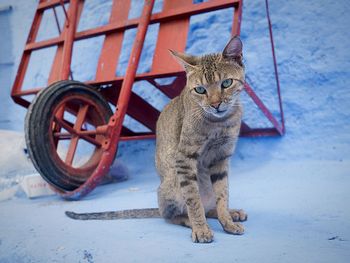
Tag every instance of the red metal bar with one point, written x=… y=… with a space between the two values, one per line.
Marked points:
x=176 y=13
x=59 y=27
x=170 y=15
x=143 y=76
x=116 y=120
x=142 y=111
x=57 y=63
x=56 y=127
x=44 y=44
x=49 y=4
x=172 y=90
x=69 y=40
x=162 y=60
x=17 y=85
x=263 y=108
x=260 y=132
x=21 y=101
x=65 y=13
x=57 y=21
x=72 y=149
x=75 y=138
x=69 y=127
x=27 y=92
x=127 y=132
x=124 y=96
x=236 y=26
x=194 y=9
x=275 y=65
x=112 y=45
x=137 y=137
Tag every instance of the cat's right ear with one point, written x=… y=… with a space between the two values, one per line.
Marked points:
x=187 y=61
x=233 y=50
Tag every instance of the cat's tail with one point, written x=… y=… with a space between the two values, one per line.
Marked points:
x=123 y=214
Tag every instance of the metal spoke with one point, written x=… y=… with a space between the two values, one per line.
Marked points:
x=62 y=136
x=71 y=150
x=56 y=128
x=85 y=135
x=75 y=138
x=81 y=117
x=65 y=125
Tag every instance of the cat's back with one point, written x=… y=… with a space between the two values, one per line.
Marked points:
x=168 y=132
x=170 y=119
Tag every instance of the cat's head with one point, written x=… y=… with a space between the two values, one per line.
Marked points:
x=215 y=81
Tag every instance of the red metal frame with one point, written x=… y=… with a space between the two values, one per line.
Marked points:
x=175 y=16
x=75 y=131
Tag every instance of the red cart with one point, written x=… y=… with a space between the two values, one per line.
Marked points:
x=70 y=112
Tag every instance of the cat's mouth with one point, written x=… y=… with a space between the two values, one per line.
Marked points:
x=219 y=113
x=216 y=112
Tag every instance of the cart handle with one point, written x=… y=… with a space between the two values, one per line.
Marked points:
x=116 y=121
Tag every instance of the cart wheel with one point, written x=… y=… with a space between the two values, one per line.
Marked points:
x=61 y=134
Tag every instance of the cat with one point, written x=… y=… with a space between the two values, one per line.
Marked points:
x=195 y=136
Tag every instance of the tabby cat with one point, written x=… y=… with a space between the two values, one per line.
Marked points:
x=196 y=135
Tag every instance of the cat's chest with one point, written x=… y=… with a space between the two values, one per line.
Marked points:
x=217 y=137
x=219 y=143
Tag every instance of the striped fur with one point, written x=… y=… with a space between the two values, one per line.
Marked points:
x=194 y=143
x=196 y=135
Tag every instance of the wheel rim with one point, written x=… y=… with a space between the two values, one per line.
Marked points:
x=74 y=140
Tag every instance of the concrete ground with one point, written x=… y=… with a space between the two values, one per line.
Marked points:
x=298 y=212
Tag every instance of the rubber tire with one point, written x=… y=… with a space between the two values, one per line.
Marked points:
x=37 y=135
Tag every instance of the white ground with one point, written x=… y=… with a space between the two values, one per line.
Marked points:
x=298 y=212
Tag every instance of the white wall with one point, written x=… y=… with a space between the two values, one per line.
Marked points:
x=312 y=46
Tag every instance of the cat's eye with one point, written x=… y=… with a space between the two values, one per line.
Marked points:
x=226 y=83
x=200 y=90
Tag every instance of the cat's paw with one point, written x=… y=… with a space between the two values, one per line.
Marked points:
x=202 y=234
x=238 y=215
x=234 y=228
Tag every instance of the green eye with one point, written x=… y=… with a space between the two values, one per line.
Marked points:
x=226 y=83
x=200 y=90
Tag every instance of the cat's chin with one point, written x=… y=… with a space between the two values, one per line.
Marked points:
x=219 y=114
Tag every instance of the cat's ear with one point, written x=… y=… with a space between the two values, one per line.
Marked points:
x=187 y=61
x=233 y=50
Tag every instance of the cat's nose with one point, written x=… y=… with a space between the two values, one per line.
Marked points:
x=215 y=105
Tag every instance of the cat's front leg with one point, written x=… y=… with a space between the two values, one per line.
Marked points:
x=219 y=179
x=186 y=169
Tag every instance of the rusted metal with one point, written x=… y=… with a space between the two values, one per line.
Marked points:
x=87 y=111
x=69 y=39
x=59 y=28
x=117 y=119
x=43 y=4
x=112 y=45
x=122 y=25
x=175 y=16
x=56 y=20
x=282 y=131
x=65 y=13
x=263 y=108
x=17 y=86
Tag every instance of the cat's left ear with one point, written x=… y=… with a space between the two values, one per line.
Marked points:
x=187 y=61
x=233 y=50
